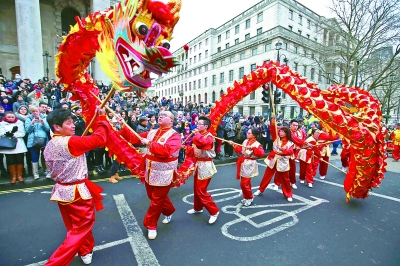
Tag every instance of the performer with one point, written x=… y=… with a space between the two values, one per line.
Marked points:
x=247 y=166
x=325 y=152
x=278 y=163
x=395 y=137
x=76 y=195
x=309 y=156
x=203 y=151
x=160 y=163
x=298 y=139
x=345 y=155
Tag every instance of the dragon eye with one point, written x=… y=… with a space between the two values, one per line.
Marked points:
x=142 y=28
x=166 y=44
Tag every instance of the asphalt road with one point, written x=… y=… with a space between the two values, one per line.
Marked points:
x=318 y=228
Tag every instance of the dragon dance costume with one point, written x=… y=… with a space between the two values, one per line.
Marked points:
x=76 y=195
x=157 y=170
x=395 y=137
x=203 y=153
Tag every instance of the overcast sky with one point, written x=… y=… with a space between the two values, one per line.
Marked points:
x=198 y=16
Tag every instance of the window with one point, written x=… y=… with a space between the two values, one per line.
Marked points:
x=308 y=24
x=236 y=29
x=190 y=50
x=300 y=19
x=237 y=41
x=226 y=45
x=206 y=54
x=227 y=34
x=304 y=70
x=194 y=71
x=190 y=61
x=247 y=24
x=296 y=66
x=205 y=98
x=199 y=45
x=241 y=56
x=308 y=36
x=290 y=14
x=247 y=36
x=194 y=59
x=205 y=82
x=267 y=47
x=206 y=68
x=232 y=59
x=316 y=28
x=305 y=52
x=199 y=82
x=259 y=17
x=254 y=52
x=199 y=57
x=200 y=70
x=223 y=62
x=194 y=85
x=319 y=76
x=219 y=49
x=312 y=73
x=190 y=86
x=221 y=78
x=299 y=31
x=219 y=38
x=253 y=67
x=195 y=47
x=230 y=75
x=241 y=72
x=206 y=42
x=214 y=80
x=252 y=97
x=295 y=49
x=290 y=28
x=259 y=31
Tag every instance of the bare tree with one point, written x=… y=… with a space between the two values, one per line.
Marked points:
x=361 y=44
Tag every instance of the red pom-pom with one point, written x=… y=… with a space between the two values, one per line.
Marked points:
x=186 y=47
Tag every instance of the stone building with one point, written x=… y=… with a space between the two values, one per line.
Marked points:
x=219 y=56
x=31 y=31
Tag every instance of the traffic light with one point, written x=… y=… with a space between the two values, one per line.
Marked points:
x=277 y=96
x=265 y=93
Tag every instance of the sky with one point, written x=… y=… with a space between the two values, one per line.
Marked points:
x=198 y=16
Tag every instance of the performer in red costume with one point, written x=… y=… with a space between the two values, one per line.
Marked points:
x=203 y=152
x=298 y=139
x=395 y=137
x=278 y=163
x=159 y=166
x=345 y=155
x=325 y=152
x=76 y=195
x=309 y=156
x=247 y=166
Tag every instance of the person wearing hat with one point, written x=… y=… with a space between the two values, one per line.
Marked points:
x=78 y=120
x=19 y=100
x=142 y=127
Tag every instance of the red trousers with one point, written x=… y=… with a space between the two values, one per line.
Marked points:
x=202 y=199
x=345 y=157
x=396 y=152
x=159 y=203
x=218 y=146
x=245 y=185
x=79 y=218
x=308 y=170
x=292 y=171
x=281 y=178
x=323 y=166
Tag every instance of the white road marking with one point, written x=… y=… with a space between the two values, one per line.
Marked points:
x=143 y=253
x=28 y=191
x=45 y=192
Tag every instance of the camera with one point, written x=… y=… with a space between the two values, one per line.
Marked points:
x=53 y=97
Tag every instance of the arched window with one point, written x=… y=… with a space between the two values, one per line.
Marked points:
x=190 y=98
x=186 y=101
x=213 y=96
x=205 y=98
x=199 y=97
x=194 y=98
x=221 y=93
x=68 y=15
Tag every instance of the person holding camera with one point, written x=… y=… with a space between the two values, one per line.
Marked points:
x=12 y=127
x=37 y=127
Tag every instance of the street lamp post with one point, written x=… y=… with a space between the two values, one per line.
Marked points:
x=278 y=47
x=390 y=92
x=358 y=63
x=47 y=55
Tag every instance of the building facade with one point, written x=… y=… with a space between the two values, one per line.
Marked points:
x=220 y=56
x=31 y=31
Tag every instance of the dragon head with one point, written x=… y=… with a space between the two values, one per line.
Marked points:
x=142 y=31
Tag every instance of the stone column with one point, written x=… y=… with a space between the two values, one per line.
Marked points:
x=98 y=74
x=29 y=39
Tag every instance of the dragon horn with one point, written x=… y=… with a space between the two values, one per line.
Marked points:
x=175 y=8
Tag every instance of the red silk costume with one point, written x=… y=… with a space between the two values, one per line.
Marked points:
x=247 y=165
x=309 y=160
x=298 y=139
x=203 y=151
x=345 y=154
x=325 y=152
x=76 y=195
x=159 y=166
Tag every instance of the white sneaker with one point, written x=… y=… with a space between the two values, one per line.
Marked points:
x=167 y=219
x=275 y=187
x=152 y=234
x=309 y=185
x=213 y=218
x=87 y=259
x=248 y=202
x=289 y=199
x=36 y=177
x=257 y=193
x=345 y=169
x=294 y=186
x=302 y=181
x=243 y=201
x=193 y=211
x=322 y=177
